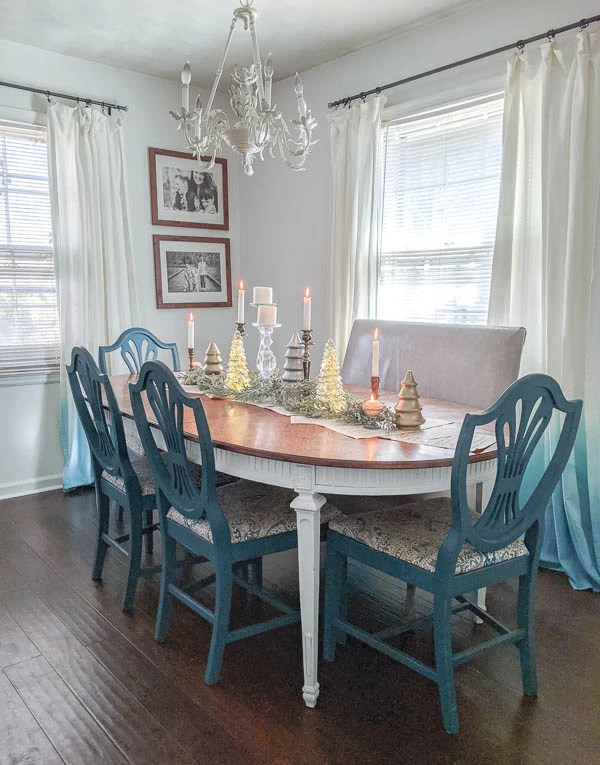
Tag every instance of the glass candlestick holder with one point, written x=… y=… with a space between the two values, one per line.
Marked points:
x=265 y=358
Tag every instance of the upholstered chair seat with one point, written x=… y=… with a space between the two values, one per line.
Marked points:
x=414 y=533
x=253 y=511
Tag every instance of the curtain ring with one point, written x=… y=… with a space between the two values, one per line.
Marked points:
x=520 y=46
x=48 y=96
x=551 y=34
x=378 y=91
x=363 y=95
x=584 y=24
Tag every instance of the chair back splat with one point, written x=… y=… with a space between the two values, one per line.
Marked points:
x=137 y=345
x=99 y=414
x=168 y=403
x=520 y=416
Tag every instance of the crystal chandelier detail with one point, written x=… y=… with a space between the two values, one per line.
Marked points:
x=258 y=123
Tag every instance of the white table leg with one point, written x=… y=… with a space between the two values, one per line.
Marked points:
x=482 y=495
x=308 y=514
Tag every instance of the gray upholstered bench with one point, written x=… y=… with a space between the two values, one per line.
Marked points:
x=467 y=364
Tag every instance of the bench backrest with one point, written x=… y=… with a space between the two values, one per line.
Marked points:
x=470 y=365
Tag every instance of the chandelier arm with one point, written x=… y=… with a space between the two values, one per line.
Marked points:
x=219 y=73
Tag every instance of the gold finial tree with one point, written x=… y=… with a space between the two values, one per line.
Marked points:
x=330 y=391
x=213 y=364
x=408 y=409
x=238 y=375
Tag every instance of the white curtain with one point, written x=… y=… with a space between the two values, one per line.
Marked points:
x=92 y=242
x=547 y=264
x=355 y=216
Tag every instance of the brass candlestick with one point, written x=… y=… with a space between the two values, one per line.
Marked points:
x=307 y=340
x=191 y=355
x=241 y=328
x=375 y=387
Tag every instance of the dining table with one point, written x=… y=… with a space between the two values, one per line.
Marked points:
x=262 y=445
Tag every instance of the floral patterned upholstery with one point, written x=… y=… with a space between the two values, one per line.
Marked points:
x=253 y=511
x=414 y=532
x=146 y=477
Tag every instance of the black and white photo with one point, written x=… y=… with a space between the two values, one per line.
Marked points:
x=192 y=272
x=185 y=194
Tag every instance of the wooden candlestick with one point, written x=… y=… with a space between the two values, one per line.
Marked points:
x=375 y=387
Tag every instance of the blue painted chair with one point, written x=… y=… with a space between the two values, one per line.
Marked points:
x=441 y=546
x=229 y=525
x=129 y=485
x=136 y=346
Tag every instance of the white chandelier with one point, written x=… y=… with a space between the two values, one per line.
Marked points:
x=258 y=124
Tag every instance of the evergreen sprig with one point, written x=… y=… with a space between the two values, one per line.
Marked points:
x=296 y=397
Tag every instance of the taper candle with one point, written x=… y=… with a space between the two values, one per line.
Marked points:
x=307 y=310
x=190 y=327
x=375 y=357
x=186 y=77
x=241 y=294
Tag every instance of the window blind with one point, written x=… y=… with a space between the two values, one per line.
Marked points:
x=440 y=203
x=29 y=329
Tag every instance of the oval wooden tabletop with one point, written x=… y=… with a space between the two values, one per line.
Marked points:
x=257 y=432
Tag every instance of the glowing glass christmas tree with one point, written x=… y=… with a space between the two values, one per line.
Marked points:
x=330 y=391
x=238 y=375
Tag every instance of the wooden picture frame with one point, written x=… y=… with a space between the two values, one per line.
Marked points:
x=182 y=194
x=192 y=272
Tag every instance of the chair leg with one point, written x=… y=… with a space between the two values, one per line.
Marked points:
x=224 y=587
x=442 y=614
x=335 y=599
x=525 y=620
x=165 y=601
x=150 y=535
x=256 y=567
x=135 y=557
x=103 y=505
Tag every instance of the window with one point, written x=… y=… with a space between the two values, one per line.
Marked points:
x=440 y=203
x=29 y=331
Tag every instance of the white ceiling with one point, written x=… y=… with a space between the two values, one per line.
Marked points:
x=156 y=36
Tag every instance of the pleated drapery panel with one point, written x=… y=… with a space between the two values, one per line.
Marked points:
x=93 y=248
x=547 y=261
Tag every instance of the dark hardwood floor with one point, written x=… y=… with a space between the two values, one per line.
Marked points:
x=83 y=683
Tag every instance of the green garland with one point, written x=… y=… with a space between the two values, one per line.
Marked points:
x=297 y=398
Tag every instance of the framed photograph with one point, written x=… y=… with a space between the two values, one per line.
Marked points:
x=192 y=272
x=184 y=195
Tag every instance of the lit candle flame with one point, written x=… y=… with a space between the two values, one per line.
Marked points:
x=241 y=284
x=372 y=397
x=307 y=292
x=376 y=334
x=190 y=316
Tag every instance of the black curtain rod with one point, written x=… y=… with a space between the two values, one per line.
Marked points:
x=520 y=44
x=79 y=99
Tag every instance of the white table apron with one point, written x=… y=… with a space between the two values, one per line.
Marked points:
x=311 y=482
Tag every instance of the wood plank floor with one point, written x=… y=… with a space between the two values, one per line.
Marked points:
x=83 y=683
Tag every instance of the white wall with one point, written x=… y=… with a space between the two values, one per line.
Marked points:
x=30 y=455
x=285 y=215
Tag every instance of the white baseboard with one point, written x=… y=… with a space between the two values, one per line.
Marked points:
x=31 y=486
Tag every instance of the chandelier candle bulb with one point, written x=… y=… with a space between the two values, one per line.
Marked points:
x=190 y=330
x=306 y=322
x=262 y=295
x=186 y=78
x=268 y=70
x=241 y=294
x=375 y=357
x=267 y=315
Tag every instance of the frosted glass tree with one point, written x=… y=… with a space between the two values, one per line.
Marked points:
x=330 y=391
x=238 y=375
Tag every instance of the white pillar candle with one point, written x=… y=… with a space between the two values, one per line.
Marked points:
x=306 y=317
x=241 y=294
x=267 y=315
x=262 y=295
x=186 y=77
x=190 y=327
x=375 y=357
